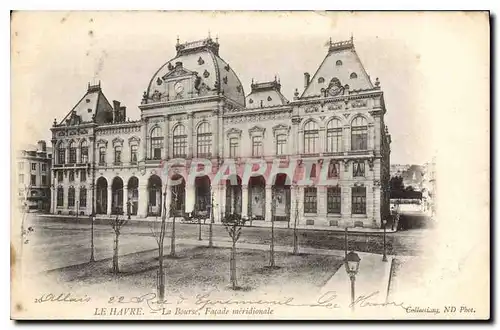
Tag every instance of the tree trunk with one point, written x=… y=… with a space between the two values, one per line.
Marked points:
x=199 y=229
x=115 y=253
x=232 y=267
x=161 y=284
x=210 y=235
x=172 y=239
x=271 y=259
x=295 y=234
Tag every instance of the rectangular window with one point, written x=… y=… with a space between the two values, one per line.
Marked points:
x=72 y=155
x=33 y=166
x=333 y=196
x=359 y=137
x=358 y=168
x=133 y=154
x=83 y=197
x=310 y=200
x=156 y=146
x=118 y=155
x=334 y=140
x=21 y=178
x=84 y=154
x=44 y=180
x=20 y=165
x=359 y=200
x=71 y=176
x=60 y=176
x=257 y=146
x=333 y=170
x=233 y=147
x=71 y=197
x=83 y=176
x=281 y=144
x=204 y=145
x=102 y=156
x=180 y=145
x=44 y=167
x=61 y=156
x=33 y=180
x=60 y=196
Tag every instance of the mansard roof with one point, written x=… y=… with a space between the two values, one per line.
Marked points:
x=265 y=94
x=93 y=103
x=341 y=67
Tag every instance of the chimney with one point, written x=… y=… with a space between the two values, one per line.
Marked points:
x=307 y=76
x=116 y=110
x=123 y=113
x=42 y=146
x=178 y=65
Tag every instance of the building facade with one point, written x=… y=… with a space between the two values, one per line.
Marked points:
x=321 y=158
x=33 y=167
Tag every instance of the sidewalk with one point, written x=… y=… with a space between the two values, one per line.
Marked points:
x=103 y=219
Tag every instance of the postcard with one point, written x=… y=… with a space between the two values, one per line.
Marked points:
x=250 y=165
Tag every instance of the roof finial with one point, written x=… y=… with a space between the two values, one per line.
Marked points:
x=275 y=78
x=252 y=81
x=330 y=41
x=209 y=34
x=177 y=40
x=217 y=38
x=352 y=37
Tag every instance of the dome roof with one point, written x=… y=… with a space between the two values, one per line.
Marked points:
x=210 y=74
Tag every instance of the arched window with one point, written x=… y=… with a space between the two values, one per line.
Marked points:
x=61 y=154
x=204 y=140
x=311 y=138
x=72 y=152
x=334 y=136
x=156 y=143
x=71 y=197
x=102 y=155
x=84 y=152
x=118 y=154
x=180 y=142
x=359 y=134
x=353 y=75
x=338 y=63
x=83 y=197
x=60 y=196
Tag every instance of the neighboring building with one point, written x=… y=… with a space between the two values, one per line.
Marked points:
x=195 y=107
x=429 y=188
x=413 y=175
x=33 y=168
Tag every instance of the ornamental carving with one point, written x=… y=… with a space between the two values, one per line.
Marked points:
x=346 y=115
x=61 y=133
x=335 y=106
x=296 y=120
x=200 y=61
x=370 y=164
x=256 y=130
x=117 y=141
x=312 y=109
x=346 y=165
x=234 y=132
x=359 y=103
x=256 y=118
x=334 y=88
x=280 y=128
x=102 y=142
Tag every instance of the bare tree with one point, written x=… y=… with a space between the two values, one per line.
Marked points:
x=233 y=224
x=272 y=263
x=159 y=235
x=295 y=231
x=175 y=194
x=117 y=224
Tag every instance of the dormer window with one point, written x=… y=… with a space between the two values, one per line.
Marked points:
x=250 y=101
x=87 y=100
x=269 y=98
x=353 y=75
x=321 y=80
x=338 y=63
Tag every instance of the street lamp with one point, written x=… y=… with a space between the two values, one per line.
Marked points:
x=384 y=257
x=77 y=209
x=351 y=263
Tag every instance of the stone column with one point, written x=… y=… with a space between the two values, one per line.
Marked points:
x=345 y=208
x=108 y=211
x=191 y=134
x=371 y=137
x=77 y=199
x=220 y=132
x=244 y=200
x=346 y=138
x=322 y=205
x=190 y=198
x=142 y=207
x=52 y=199
x=293 y=203
x=143 y=144
x=216 y=189
x=268 y=206
x=322 y=141
x=78 y=154
x=168 y=200
x=166 y=140
x=125 y=199
x=88 y=208
x=300 y=199
x=215 y=133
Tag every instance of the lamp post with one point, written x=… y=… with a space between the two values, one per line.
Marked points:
x=128 y=208
x=351 y=263
x=92 y=219
x=77 y=209
x=384 y=257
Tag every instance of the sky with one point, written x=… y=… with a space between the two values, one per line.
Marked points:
x=56 y=54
